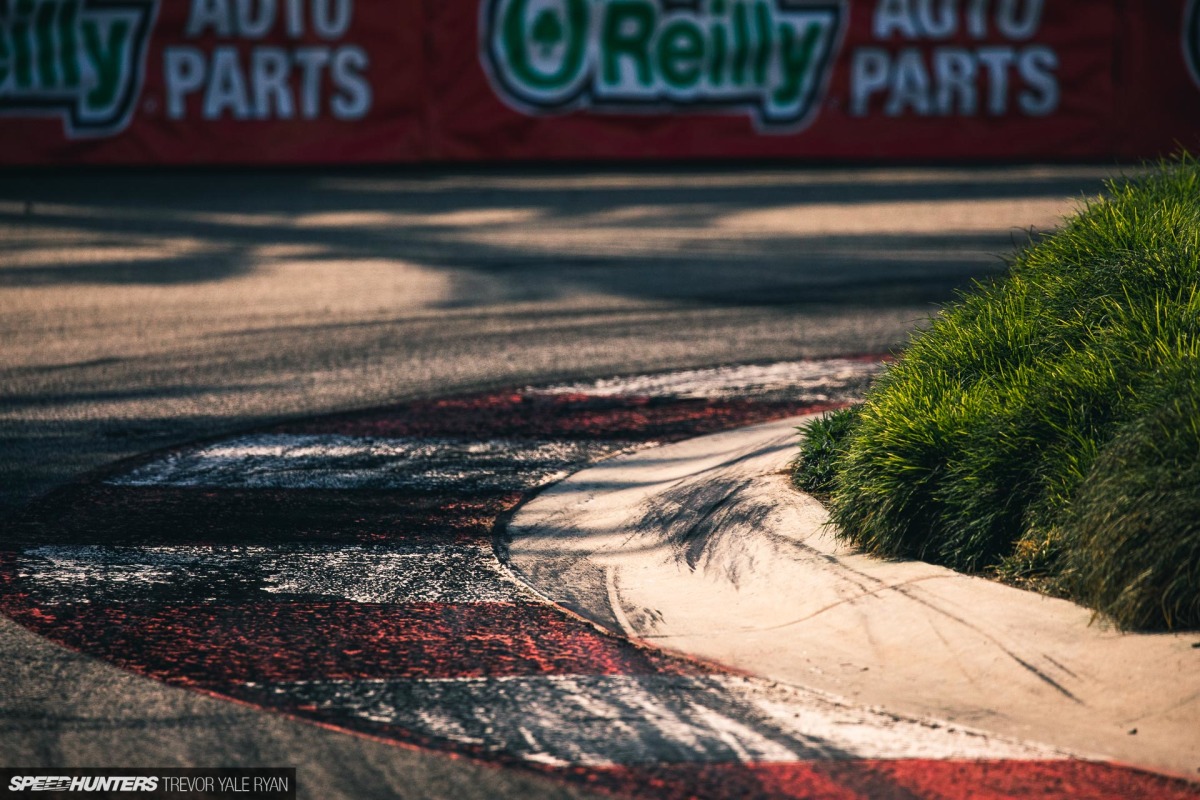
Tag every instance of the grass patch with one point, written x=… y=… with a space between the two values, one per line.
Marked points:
x=1044 y=427
x=1134 y=526
x=823 y=440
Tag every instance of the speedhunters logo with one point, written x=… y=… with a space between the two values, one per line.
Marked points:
x=94 y=783
x=190 y=783
x=80 y=60
x=766 y=58
x=1191 y=38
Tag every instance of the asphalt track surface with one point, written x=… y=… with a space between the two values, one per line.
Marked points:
x=351 y=571
x=141 y=311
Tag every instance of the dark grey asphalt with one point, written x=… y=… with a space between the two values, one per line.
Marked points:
x=139 y=310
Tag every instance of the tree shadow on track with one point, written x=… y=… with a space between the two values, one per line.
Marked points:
x=712 y=236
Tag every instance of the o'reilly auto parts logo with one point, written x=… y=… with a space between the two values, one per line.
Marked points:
x=1191 y=38
x=767 y=58
x=81 y=60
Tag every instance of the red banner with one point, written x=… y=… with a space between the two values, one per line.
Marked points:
x=343 y=81
x=212 y=81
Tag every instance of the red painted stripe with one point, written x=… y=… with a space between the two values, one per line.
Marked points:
x=12 y=594
x=510 y=414
x=797 y=781
x=213 y=646
x=99 y=513
x=1044 y=780
x=886 y=780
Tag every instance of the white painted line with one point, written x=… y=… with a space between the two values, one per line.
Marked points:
x=332 y=461
x=596 y=720
x=832 y=380
x=98 y=574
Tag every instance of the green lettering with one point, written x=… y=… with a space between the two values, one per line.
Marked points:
x=720 y=34
x=680 y=50
x=68 y=44
x=741 y=43
x=796 y=58
x=628 y=27
x=106 y=58
x=759 y=57
x=5 y=54
x=517 y=39
x=74 y=59
x=44 y=30
x=547 y=31
x=762 y=56
x=716 y=64
x=22 y=54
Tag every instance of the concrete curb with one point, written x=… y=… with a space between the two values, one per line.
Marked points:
x=702 y=547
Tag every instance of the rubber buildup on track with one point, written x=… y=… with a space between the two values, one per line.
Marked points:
x=342 y=570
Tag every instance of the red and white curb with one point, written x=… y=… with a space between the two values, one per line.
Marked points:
x=342 y=570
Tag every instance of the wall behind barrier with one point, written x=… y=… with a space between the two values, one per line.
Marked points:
x=344 y=81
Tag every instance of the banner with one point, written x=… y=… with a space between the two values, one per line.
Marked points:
x=211 y=81
x=351 y=81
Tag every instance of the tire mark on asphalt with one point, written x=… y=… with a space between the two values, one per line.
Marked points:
x=338 y=570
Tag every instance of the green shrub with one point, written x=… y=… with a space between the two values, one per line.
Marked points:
x=822 y=440
x=975 y=447
x=1134 y=529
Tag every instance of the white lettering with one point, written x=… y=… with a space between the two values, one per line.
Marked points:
x=354 y=102
x=894 y=17
x=331 y=18
x=272 y=94
x=869 y=76
x=185 y=71
x=910 y=85
x=955 y=81
x=295 y=18
x=312 y=61
x=939 y=25
x=1015 y=20
x=977 y=18
x=954 y=73
x=997 y=61
x=251 y=25
x=208 y=15
x=1019 y=26
x=1037 y=67
x=226 y=87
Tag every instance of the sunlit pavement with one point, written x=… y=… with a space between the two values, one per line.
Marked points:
x=344 y=570
x=144 y=310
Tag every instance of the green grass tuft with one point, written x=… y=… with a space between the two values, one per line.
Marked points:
x=996 y=441
x=823 y=440
x=1134 y=528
